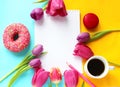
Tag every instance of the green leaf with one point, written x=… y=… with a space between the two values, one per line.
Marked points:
x=50 y=85
x=100 y=34
x=118 y=65
x=56 y=84
x=23 y=62
x=40 y=1
x=18 y=73
x=83 y=84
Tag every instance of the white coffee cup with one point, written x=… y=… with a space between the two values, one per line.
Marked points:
x=97 y=67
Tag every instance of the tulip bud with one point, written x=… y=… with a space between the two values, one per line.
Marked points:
x=55 y=75
x=83 y=37
x=37 y=50
x=83 y=51
x=71 y=78
x=35 y=63
x=37 y=13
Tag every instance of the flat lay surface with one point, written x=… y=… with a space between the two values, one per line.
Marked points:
x=107 y=46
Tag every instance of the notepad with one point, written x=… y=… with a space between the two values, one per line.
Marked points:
x=58 y=37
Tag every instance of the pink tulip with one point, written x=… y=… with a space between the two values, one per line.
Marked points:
x=83 y=51
x=55 y=75
x=71 y=78
x=35 y=63
x=39 y=78
x=37 y=13
x=83 y=37
x=56 y=7
x=81 y=75
x=37 y=50
x=35 y=75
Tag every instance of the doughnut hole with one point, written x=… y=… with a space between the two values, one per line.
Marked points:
x=15 y=36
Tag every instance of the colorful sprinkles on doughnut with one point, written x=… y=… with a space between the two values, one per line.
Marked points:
x=16 y=37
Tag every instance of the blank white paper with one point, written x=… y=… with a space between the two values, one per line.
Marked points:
x=58 y=36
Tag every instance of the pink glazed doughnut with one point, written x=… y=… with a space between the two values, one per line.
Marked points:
x=16 y=37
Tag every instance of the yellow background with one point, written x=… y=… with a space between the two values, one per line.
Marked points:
x=108 y=12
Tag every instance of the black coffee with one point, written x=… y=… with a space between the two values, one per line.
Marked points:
x=95 y=67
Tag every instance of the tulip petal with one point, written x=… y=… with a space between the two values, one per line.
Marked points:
x=83 y=37
x=83 y=51
x=35 y=62
x=55 y=75
x=57 y=4
x=71 y=78
x=56 y=7
x=35 y=76
x=41 y=78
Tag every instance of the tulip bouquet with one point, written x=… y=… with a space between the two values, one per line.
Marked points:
x=24 y=65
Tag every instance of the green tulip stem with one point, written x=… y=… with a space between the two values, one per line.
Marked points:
x=50 y=84
x=114 y=64
x=56 y=84
x=9 y=73
x=18 y=73
x=83 y=84
x=40 y=1
x=25 y=61
x=101 y=34
x=43 y=53
x=16 y=68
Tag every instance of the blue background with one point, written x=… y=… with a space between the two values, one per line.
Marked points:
x=16 y=11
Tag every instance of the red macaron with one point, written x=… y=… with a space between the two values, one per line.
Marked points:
x=90 y=21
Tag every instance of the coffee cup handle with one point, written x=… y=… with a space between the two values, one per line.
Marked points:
x=111 y=67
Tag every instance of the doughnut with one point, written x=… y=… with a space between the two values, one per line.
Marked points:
x=16 y=37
